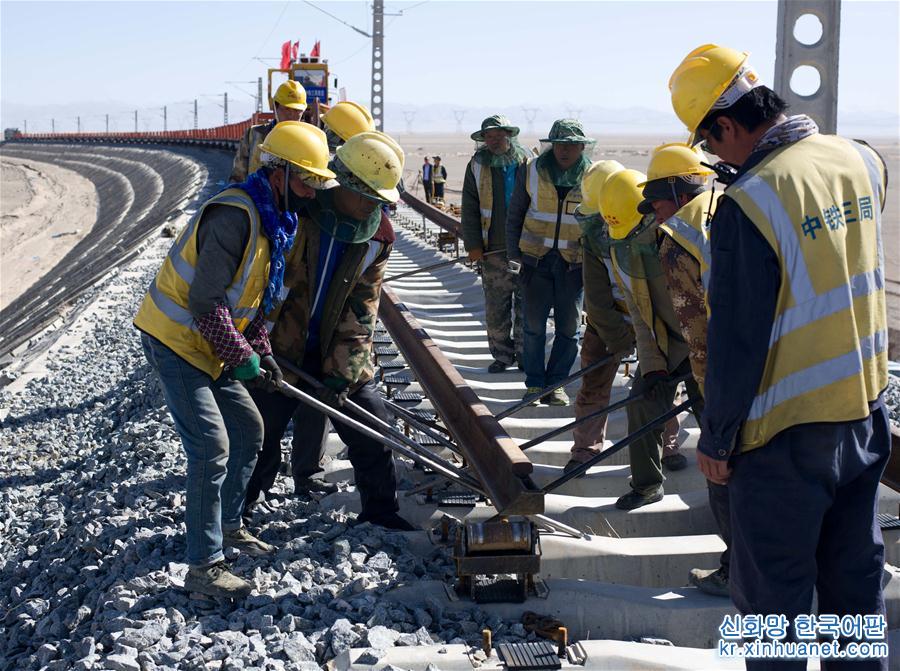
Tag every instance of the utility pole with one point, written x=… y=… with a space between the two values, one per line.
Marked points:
x=195 y=114
x=459 y=115
x=107 y=124
x=226 y=108
x=78 y=118
x=409 y=115
x=52 y=125
x=135 y=121
x=165 y=120
x=259 y=105
x=378 y=63
x=25 y=126
x=530 y=114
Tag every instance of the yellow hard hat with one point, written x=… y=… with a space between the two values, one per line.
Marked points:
x=619 y=202
x=376 y=160
x=291 y=94
x=677 y=159
x=347 y=119
x=592 y=184
x=300 y=144
x=710 y=77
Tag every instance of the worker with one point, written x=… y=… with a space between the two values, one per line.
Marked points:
x=345 y=120
x=487 y=189
x=288 y=105
x=427 y=169
x=662 y=351
x=438 y=179
x=794 y=419
x=675 y=192
x=326 y=324
x=543 y=235
x=608 y=331
x=203 y=332
x=341 y=122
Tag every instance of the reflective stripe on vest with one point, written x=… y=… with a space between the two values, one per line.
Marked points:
x=827 y=347
x=639 y=290
x=164 y=312
x=688 y=227
x=618 y=296
x=539 y=228
x=484 y=180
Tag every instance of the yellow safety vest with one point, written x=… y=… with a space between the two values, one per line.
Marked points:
x=818 y=204
x=689 y=227
x=164 y=311
x=618 y=297
x=485 y=181
x=539 y=228
x=639 y=289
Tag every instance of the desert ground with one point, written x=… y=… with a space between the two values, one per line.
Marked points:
x=44 y=211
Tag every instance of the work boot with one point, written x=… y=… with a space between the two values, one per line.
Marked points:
x=216 y=580
x=675 y=462
x=391 y=521
x=634 y=499
x=714 y=582
x=497 y=367
x=246 y=542
x=557 y=397
x=571 y=465
x=531 y=391
x=313 y=487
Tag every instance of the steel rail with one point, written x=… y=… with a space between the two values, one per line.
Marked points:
x=493 y=457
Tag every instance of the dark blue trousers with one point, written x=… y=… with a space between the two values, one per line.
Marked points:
x=804 y=516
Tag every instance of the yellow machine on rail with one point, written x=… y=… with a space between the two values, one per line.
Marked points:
x=313 y=74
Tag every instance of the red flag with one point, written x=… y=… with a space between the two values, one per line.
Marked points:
x=294 y=50
x=286 y=55
x=315 y=50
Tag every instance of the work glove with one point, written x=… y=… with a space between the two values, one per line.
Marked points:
x=249 y=370
x=655 y=384
x=622 y=353
x=476 y=254
x=273 y=375
x=331 y=397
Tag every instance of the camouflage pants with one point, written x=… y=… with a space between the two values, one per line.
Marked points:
x=502 y=298
x=594 y=395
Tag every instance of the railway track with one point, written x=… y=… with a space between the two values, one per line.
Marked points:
x=138 y=189
x=622 y=581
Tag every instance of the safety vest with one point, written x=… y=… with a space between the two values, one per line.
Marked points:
x=818 y=204
x=164 y=311
x=539 y=231
x=639 y=289
x=484 y=180
x=689 y=227
x=618 y=296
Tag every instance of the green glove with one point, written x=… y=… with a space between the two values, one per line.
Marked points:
x=249 y=370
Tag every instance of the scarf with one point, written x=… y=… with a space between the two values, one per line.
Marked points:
x=570 y=177
x=279 y=227
x=341 y=227
x=791 y=130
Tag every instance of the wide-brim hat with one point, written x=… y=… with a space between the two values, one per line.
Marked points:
x=568 y=131
x=495 y=122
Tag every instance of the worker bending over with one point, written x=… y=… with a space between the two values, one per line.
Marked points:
x=326 y=324
x=203 y=332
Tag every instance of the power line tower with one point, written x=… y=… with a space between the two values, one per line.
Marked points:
x=107 y=123
x=378 y=63
x=409 y=115
x=530 y=114
x=459 y=115
x=259 y=90
x=135 y=121
x=165 y=118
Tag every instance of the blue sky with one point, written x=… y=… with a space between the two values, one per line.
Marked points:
x=88 y=58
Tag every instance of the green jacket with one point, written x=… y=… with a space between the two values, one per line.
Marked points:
x=351 y=308
x=470 y=212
